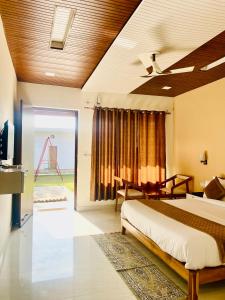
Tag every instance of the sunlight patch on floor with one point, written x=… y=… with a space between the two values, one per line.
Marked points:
x=64 y=224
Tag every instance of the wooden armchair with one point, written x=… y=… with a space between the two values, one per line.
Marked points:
x=174 y=187
x=127 y=190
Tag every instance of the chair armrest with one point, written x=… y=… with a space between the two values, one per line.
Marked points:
x=132 y=185
x=118 y=183
x=180 y=183
x=162 y=183
x=118 y=179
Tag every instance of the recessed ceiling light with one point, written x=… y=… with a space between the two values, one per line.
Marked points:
x=213 y=64
x=166 y=87
x=62 y=22
x=50 y=74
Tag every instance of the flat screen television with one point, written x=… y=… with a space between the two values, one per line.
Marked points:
x=7 y=141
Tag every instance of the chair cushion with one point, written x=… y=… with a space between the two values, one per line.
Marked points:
x=177 y=190
x=131 y=192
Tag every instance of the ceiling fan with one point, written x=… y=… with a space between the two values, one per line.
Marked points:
x=154 y=69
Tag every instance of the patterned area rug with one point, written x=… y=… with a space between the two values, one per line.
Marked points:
x=49 y=194
x=142 y=276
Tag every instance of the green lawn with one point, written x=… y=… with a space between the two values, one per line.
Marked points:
x=48 y=180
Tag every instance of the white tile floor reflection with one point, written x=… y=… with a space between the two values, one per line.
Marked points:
x=53 y=257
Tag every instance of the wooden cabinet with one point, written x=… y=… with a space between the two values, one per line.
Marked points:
x=11 y=181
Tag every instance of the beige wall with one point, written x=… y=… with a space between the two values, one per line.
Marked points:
x=7 y=96
x=199 y=124
x=69 y=98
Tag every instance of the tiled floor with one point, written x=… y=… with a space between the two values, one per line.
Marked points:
x=53 y=257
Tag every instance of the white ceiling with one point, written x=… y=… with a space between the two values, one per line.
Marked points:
x=176 y=27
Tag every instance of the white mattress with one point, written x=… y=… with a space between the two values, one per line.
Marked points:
x=193 y=247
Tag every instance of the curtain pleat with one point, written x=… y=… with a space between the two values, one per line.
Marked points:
x=129 y=144
x=135 y=134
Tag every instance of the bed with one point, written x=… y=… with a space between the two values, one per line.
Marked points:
x=193 y=254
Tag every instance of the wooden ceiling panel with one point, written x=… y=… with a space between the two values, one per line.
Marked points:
x=209 y=52
x=28 y=24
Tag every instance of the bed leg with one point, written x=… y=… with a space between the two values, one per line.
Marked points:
x=123 y=230
x=193 y=285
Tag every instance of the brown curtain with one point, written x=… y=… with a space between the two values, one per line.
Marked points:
x=103 y=154
x=152 y=147
x=129 y=144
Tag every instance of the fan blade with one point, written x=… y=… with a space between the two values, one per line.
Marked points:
x=170 y=72
x=162 y=38
x=137 y=62
x=213 y=64
x=205 y=68
x=181 y=70
x=145 y=59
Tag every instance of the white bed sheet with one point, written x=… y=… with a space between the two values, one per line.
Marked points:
x=193 y=247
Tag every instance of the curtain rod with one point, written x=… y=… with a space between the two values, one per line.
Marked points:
x=92 y=108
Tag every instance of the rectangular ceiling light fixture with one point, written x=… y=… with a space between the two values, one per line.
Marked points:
x=213 y=64
x=62 y=22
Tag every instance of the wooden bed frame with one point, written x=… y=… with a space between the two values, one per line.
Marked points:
x=193 y=277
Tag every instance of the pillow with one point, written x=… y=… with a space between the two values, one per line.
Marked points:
x=222 y=181
x=203 y=185
x=214 y=190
